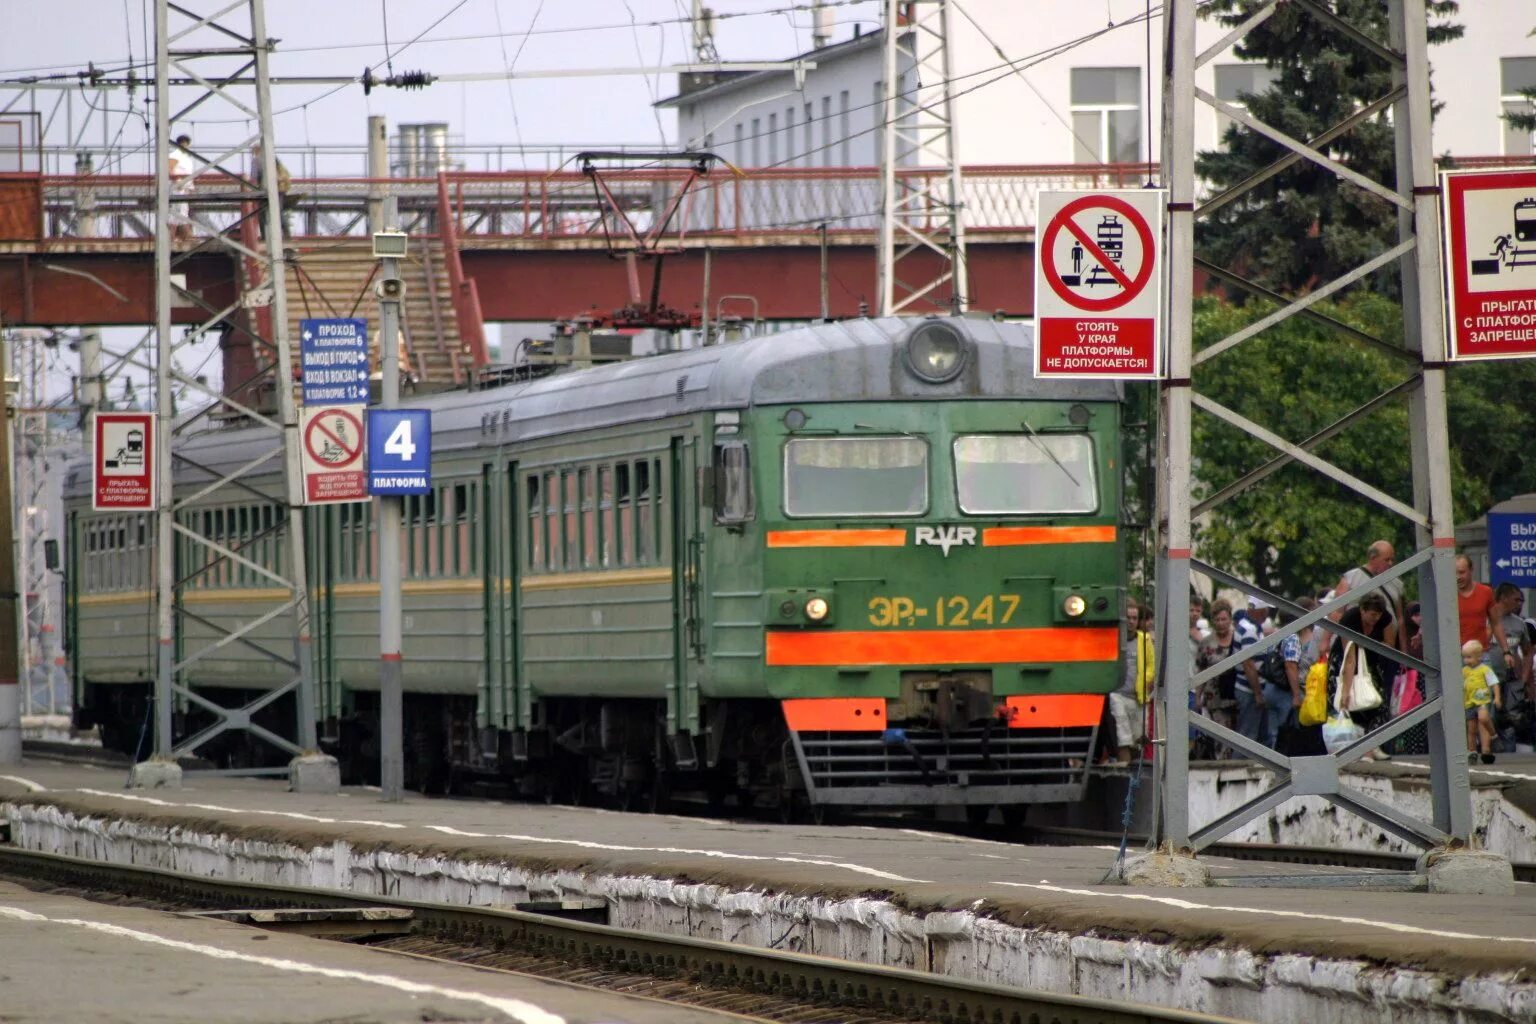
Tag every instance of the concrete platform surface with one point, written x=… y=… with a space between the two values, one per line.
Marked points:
x=1036 y=916
x=67 y=959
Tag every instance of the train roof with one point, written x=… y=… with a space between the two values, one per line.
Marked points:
x=844 y=361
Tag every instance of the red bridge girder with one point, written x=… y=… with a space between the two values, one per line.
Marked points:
x=73 y=288
x=68 y=289
x=785 y=279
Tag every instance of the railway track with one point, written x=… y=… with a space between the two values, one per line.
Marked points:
x=766 y=984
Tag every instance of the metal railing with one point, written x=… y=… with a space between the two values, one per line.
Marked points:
x=564 y=205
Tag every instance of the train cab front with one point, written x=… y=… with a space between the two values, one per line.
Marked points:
x=943 y=585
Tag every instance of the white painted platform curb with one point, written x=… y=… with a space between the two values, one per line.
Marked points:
x=1278 y=989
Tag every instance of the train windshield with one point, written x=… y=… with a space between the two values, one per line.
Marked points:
x=855 y=476
x=1013 y=474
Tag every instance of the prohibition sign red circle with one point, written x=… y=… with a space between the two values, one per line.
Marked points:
x=1130 y=289
x=317 y=425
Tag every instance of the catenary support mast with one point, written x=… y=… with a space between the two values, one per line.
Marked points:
x=922 y=231
x=226 y=47
x=1416 y=257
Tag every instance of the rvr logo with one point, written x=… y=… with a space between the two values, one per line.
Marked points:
x=944 y=537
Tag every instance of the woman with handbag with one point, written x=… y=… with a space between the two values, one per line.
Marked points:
x=1363 y=675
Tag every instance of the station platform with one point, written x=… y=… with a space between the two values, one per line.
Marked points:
x=1318 y=948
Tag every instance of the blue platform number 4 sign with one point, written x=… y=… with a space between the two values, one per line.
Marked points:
x=399 y=451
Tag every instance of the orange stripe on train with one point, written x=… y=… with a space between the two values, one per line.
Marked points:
x=940 y=647
x=837 y=538
x=867 y=714
x=1010 y=536
x=835 y=714
x=1054 y=710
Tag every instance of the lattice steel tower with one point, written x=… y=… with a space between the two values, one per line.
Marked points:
x=922 y=232
x=1415 y=258
x=211 y=58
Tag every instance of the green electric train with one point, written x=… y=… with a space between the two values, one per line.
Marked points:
x=866 y=563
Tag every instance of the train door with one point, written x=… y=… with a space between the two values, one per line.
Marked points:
x=687 y=582
x=499 y=520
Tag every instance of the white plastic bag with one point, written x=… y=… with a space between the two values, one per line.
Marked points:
x=1339 y=732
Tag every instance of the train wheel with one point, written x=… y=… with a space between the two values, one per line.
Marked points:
x=978 y=814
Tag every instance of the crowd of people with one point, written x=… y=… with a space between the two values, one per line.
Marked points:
x=1262 y=697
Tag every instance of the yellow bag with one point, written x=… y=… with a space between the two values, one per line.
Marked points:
x=1314 y=700
x=1146 y=667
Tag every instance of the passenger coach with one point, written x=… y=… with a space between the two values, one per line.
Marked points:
x=863 y=563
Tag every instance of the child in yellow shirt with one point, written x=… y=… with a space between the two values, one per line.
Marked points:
x=1481 y=688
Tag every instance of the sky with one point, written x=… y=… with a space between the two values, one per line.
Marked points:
x=341 y=37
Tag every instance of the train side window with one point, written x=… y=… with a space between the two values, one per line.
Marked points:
x=606 y=514
x=554 y=532
x=368 y=557
x=532 y=488
x=456 y=530
x=588 y=517
x=733 y=483
x=624 y=502
x=571 y=517
x=645 y=526
x=243 y=518
x=411 y=557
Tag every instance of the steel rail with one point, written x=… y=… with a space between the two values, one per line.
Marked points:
x=823 y=981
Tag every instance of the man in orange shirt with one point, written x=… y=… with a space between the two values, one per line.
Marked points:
x=1477 y=610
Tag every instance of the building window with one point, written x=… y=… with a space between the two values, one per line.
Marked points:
x=789 y=137
x=773 y=139
x=826 y=131
x=739 y=155
x=1517 y=76
x=1234 y=84
x=1106 y=115
x=845 y=130
x=757 y=135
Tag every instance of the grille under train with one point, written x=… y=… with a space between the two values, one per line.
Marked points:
x=932 y=767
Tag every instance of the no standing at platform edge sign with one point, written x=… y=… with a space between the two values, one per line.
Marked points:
x=1098 y=284
x=1490 y=263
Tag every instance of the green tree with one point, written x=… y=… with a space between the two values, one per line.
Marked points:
x=1297 y=530
x=1306 y=225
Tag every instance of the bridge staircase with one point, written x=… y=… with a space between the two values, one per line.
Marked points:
x=335 y=277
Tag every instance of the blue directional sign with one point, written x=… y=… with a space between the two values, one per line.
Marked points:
x=1512 y=548
x=399 y=451
x=333 y=358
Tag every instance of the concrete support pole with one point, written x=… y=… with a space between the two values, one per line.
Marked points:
x=1424 y=332
x=10 y=688
x=885 y=283
x=93 y=388
x=378 y=170
x=165 y=537
x=390 y=510
x=1174 y=477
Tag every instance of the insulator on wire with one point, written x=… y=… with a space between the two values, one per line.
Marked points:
x=410 y=80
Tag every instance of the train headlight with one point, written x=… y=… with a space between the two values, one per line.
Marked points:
x=1074 y=606
x=936 y=351
x=816 y=609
